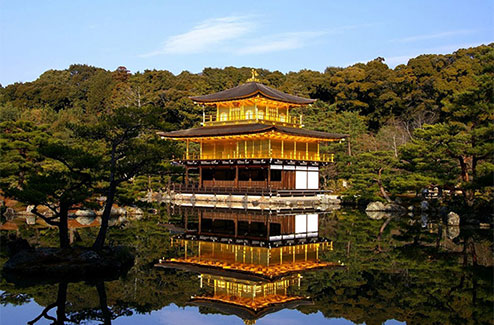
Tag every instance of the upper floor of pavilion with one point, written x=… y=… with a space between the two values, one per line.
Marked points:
x=252 y=102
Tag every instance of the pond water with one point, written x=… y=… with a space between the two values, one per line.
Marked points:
x=214 y=266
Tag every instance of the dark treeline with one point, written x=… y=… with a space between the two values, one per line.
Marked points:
x=421 y=125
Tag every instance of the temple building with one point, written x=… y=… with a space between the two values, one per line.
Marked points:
x=253 y=141
x=250 y=264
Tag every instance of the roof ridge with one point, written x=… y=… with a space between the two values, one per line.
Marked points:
x=251 y=89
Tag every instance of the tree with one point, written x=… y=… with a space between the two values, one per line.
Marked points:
x=370 y=174
x=452 y=152
x=129 y=146
x=41 y=170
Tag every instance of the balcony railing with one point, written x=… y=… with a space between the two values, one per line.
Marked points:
x=285 y=120
x=274 y=155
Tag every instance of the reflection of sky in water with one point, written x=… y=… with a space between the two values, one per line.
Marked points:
x=173 y=315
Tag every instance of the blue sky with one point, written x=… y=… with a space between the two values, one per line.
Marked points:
x=190 y=35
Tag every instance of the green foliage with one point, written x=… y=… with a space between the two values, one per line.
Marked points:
x=381 y=109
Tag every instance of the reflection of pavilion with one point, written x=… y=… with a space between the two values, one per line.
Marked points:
x=250 y=263
x=251 y=227
x=247 y=299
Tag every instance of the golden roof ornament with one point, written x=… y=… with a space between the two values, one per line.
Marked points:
x=254 y=74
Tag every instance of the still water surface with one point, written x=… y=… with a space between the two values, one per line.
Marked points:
x=233 y=267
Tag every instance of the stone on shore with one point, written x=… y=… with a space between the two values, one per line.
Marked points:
x=375 y=206
x=453 y=219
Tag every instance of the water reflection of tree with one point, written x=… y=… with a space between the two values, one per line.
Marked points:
x=101 y=313
x=418 y=275
x=410 y=278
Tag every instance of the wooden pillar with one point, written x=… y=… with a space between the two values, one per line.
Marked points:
x=294 y=149
x=236 y=176
x=318 y=154
x=199 y=224
x=187 y=150
x=236 y=225
x=214 y=150
x=269 y=148
x=269 y=176
x=200 y=151
x=306 y=150
x=186 y=219
x=282 y=149
x=268 y=228
x=186 y=249
x=200 y=176
x=186 y=175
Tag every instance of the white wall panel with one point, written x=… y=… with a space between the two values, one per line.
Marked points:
x=300 y=223
x=313 y=180
x=312 y=222
x=301 y=180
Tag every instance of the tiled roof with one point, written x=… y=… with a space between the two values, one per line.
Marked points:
x=239 y=129
x=251 y=89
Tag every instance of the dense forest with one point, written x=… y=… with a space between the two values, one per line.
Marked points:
x=84 y=130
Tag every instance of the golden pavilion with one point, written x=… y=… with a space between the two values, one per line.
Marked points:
x=250 y=263
x=253 y=141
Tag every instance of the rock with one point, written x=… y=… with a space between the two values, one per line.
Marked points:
x=410 y=208
x=453 y=219
x=424 y=219
x=75 y=264
x=134 y=211
x=393 y=207
x=83 y=220
x=30 y=219
x=85 y=213
x=9 y=214
x=375 y=206
x=15 y=246
x=452 y=232
x=89 y=256
x=377 y=215
x=424 y=206
x=115 y=211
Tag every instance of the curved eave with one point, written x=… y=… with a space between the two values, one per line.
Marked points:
x=231 y=131
x=244 y=312
x=249 y=90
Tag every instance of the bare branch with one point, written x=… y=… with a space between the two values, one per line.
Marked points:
x=48 y=220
